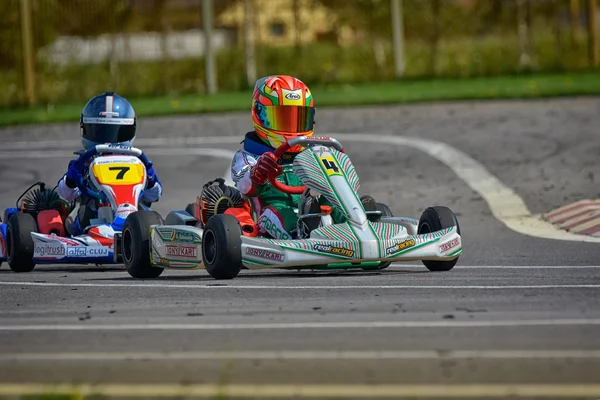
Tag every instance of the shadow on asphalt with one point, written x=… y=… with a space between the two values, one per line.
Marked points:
x=70 y=268
x=296 y=275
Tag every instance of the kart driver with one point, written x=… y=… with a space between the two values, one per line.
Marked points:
x=106 y=119
x=282 y=108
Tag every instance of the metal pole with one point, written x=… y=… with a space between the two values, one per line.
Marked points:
x=523 y=34
x=593 y=32
x=249 y=42
x=398 y=37
x=207 y=10
x=575 y=13
x=28 y=57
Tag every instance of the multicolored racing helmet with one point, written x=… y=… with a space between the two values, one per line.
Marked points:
x=282 y=108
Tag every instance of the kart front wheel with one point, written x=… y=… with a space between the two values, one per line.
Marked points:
x=222 y=246
x=136 y=244
x=19 y=244
x=434 y=219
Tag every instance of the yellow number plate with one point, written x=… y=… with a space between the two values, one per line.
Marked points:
x=119 y=174
x=331 y=165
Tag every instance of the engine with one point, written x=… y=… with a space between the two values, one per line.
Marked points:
x=41 y=199
x=216 y=198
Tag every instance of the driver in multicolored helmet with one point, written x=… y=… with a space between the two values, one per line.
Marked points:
x=282 y=108
x=106 y=119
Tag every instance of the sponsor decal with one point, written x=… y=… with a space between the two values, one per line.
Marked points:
x=274 y=230
x=448 y=245
x=119 y=146
x=166 y=234
x=49 y=251
x=182 y=251
x=115 y=160
x=293 y=95
x=108 y=121
x=163 y=261
x=76 y=252
x=340 y=251
x=67 y=241
x=403 y=245
x=180 y=236
x=87 y=251
x=262 y=253
x=96 y=252
x=109 y=113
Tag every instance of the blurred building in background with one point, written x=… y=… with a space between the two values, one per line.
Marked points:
x=54 y=51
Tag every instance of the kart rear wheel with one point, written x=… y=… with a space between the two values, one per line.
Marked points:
x=434 y=219
x=222 y=246
x=136 y=244
x=19 y=244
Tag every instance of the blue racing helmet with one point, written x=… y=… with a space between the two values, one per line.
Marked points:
x=107 y=118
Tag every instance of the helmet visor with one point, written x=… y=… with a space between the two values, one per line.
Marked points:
x=287 y=118
x=108 y=130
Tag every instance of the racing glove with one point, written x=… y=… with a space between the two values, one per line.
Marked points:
x=73 y=174
x=151 y=179
x=265 y=166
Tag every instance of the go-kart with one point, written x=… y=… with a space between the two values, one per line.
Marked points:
x=34 y=231
x=229 y=239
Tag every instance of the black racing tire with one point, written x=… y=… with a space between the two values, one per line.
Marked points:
x=19 y=244
x=222 y=246
x=136 y=244
x=434 y=219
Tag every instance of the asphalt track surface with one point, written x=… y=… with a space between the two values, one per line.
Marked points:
x=517 y=310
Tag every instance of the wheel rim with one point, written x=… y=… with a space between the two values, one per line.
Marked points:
x=127 y=242
x=209 y=247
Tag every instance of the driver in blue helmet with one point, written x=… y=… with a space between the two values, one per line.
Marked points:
x=106 y=119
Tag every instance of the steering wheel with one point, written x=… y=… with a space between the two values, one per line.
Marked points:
x=81 y=162
x=301 y=140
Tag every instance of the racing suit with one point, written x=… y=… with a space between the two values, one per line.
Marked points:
x=276 y=210
x=76 y=221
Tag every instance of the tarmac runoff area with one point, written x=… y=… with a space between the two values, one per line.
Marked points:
x=518 y=316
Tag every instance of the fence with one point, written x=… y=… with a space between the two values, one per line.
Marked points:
x=54 y=51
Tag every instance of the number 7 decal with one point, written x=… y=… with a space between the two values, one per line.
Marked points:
x=122 y=171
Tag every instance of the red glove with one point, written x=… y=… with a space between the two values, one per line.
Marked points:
x=265 y=166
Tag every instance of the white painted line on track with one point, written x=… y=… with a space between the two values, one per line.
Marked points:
x=307 y=390
x=299 y=287
x=304 y=325
x=506 y=205
x=306 y=355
